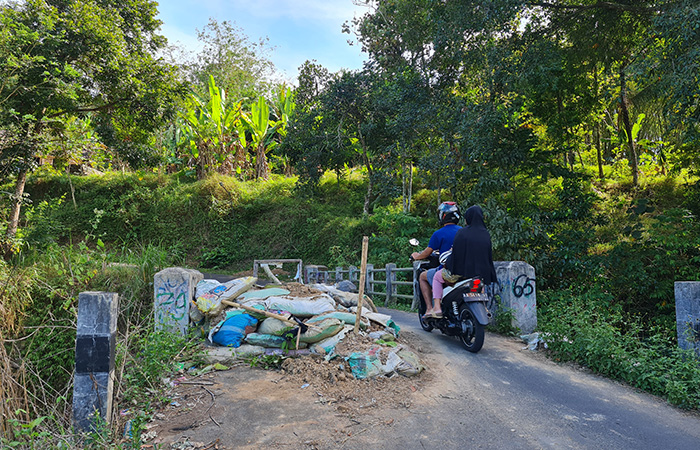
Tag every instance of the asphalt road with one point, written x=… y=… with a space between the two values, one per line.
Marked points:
x=505 y=397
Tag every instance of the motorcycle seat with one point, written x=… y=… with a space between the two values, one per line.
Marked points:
x=449 y=289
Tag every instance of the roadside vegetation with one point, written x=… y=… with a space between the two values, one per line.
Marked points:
x=582 y=149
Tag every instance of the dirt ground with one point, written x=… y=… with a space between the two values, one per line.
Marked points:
x=307 y=403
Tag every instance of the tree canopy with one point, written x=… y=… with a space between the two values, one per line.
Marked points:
x=62 y=59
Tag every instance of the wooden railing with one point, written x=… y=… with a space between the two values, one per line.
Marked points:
x=390 y=282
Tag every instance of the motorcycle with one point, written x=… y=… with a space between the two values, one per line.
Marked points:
x=464 y=308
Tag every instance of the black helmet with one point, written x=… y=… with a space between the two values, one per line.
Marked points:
x=448 y=212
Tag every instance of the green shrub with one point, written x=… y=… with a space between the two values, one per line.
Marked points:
x=587 y=327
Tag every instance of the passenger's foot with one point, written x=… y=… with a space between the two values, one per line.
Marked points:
x=437 y=314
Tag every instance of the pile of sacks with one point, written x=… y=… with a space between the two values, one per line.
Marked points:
x=271 y=321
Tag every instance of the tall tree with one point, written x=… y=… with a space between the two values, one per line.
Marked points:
x=63 y=58
x=312 y=81
x=240 y=66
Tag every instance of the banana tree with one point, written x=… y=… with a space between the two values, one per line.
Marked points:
x=262 y=130
x=210 y=130
x=283 y=107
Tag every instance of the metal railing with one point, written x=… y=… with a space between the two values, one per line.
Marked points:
x=386 y=282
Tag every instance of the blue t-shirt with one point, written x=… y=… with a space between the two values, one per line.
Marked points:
x=441 y=240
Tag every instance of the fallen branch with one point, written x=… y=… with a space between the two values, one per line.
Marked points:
x=269 y=273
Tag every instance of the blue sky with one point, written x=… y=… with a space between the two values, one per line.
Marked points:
x=297 y=29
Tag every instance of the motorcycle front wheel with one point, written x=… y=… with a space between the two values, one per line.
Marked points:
x=472 y=335
x=421 y=311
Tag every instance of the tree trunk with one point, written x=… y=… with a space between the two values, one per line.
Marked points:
x=599 y=150
x=368 y=196
x=410 y=187
x=14 y=213
x=407 y=182
x=261 y=168
x=596 y=127
x=624 y=112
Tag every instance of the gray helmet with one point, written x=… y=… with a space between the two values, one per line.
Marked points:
x=448 y=212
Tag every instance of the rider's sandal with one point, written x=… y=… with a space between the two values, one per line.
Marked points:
x=436 y=315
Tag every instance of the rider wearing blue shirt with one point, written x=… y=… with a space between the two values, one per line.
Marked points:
x=440 y=241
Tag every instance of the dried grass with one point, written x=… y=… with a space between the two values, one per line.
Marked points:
x=13 y=392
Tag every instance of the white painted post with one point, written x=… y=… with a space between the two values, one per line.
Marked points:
x=311 y=274
x=517 y=280
x=369 y=279
x=687 y=295
x=174 y=292
x=390 y=286
x=339 y=274
x=352 y=274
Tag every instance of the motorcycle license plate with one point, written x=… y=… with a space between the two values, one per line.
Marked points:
x=475 y=297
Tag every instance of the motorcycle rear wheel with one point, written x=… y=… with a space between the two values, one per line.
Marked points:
x=472 y=335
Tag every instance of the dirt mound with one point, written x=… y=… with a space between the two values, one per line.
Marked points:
x=307 y=403
x=301 y=290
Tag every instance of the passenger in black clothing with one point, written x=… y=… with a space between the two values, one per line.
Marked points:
x=472 y=253
x=472 y=256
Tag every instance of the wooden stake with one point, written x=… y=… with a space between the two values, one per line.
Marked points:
x=363 y=271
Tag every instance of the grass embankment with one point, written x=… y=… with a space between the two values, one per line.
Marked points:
x=606 y=259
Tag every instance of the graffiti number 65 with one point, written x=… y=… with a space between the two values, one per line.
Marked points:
x=523 y=286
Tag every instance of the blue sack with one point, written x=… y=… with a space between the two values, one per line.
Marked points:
x=232 y=331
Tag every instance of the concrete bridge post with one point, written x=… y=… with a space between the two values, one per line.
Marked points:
x=95 y=343
x=517 y=280
x=687 y=295
x=173 y=292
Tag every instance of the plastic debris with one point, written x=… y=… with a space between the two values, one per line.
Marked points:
x=232 y=331
x=533 y=341
x=346 y=317
x=266 y=340
x=365 y=364
x=410 y=364
x=318 y=321
x=327 y=346
x=346 y=286
x=322 y=330
x=262 y=294
x=302 y=307
x=274 y=327
x=210 y=293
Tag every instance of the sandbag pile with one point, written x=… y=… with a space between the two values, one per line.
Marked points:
x=272 y=321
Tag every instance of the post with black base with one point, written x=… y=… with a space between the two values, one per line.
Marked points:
x=95 y=343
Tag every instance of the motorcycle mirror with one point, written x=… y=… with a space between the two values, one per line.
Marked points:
x=414 y=242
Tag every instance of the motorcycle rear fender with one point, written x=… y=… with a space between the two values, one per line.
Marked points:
x=479 y=311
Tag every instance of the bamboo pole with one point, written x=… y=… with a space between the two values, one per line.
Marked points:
x=363 y=271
